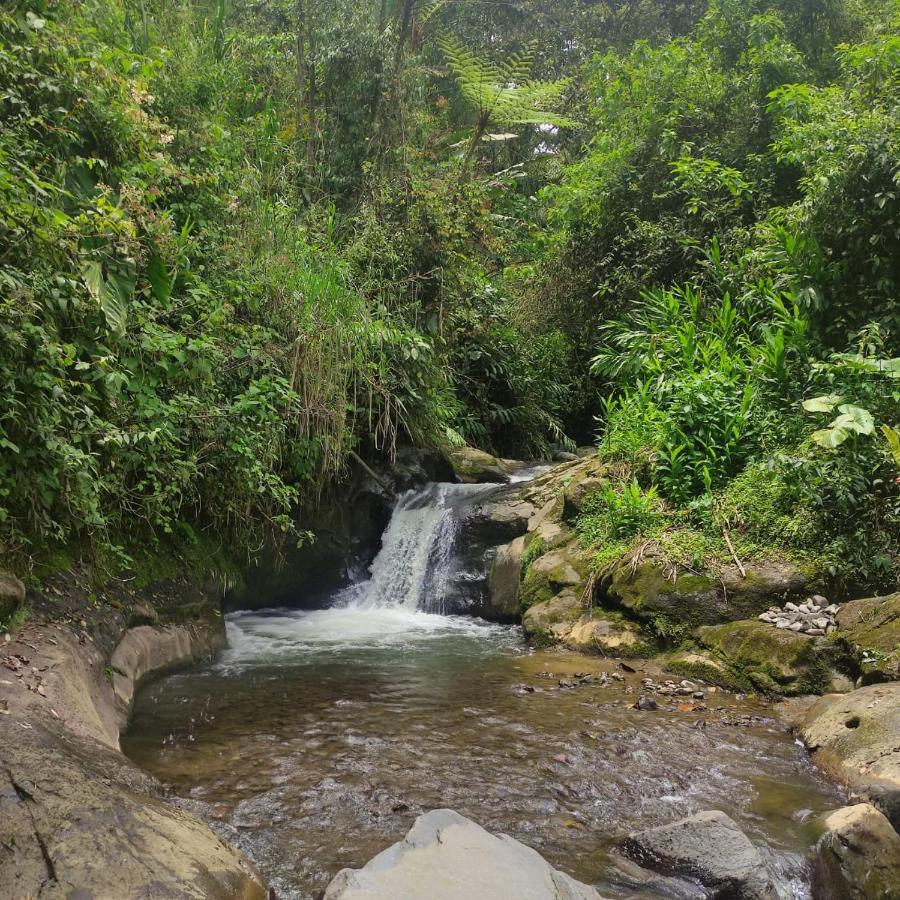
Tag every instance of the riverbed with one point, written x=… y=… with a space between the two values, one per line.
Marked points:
x=317 y=737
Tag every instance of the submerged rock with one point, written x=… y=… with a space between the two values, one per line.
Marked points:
x=445 y=856
x=858 y=857
x=709 y=847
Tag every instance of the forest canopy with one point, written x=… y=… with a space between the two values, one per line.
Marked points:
x=241 y=240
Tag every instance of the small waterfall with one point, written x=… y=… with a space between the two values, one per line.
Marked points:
x=412 y=568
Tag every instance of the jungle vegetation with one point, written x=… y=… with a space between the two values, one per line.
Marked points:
x=242 y=239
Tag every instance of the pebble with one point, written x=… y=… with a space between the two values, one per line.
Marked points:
x=645 y=703
x=815 y=616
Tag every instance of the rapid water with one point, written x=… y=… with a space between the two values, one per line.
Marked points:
x=318 y=736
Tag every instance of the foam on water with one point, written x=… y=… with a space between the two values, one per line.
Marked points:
x=283 y=635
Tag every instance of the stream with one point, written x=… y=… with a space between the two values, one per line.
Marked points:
x=317 y=737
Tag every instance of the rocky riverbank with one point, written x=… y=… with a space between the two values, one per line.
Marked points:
x=78 y=819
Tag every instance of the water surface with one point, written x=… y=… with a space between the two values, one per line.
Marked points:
x=317 y=738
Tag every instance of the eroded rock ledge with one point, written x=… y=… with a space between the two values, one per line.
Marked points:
x=77 y=819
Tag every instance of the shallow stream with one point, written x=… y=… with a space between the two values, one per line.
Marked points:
x=317 y=737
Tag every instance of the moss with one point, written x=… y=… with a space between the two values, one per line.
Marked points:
x=776 y=661
x=534 y=548
x=535 y=589
x=699 y=667
x=869 y=633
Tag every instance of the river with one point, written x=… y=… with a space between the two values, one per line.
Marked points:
x=318 y=736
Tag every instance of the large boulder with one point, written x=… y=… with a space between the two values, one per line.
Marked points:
x=649 y=592
x=503 y=579
x=12 y=595
x=445 y=856
x=473 y=466
x=855 y=737
x=708 y=847
x=550 y=621
x=773 y=660
x=870 y=629
x=858 y=856
x=606 y=634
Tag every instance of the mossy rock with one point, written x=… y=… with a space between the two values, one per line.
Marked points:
x=474 y=466
x=869 y=629
x=705 y=667
x=694 y=600
x=549 y=621
x=565 y=567
x=774 y=660
x=608 y=635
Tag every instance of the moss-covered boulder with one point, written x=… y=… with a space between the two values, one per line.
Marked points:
x=12 y=595
x=550 y=620
x=648 y=591
x=567 y=566
x=696 y=664
x=869 y=629
x=473 y=466
x=773 y=660
x=597 y=632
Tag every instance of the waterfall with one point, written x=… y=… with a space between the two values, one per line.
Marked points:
x=411 y=570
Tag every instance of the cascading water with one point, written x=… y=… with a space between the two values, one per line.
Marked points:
x=411 y=570
x=402 y=602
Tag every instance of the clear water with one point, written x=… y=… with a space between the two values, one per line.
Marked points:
x=317 y=737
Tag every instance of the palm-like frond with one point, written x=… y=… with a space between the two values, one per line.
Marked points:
x=504 y=93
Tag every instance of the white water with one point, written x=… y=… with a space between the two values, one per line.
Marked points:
x=398 y=606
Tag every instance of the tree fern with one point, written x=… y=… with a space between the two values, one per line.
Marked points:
x=503 y=93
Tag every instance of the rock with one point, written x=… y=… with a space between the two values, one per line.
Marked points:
x=858 y=857
x=819 y=600
x=647 y=592
x=854 y=737
x=12 y=595
x=473 y=466
x=870 y=630
x=775 y=660
x=595 y=633
x=645 y=703
x=77 y=819
x=142 y=614
x=710 y=847
x=705 y=667
x=445 y=856
x=503 y=579
x=552 y=620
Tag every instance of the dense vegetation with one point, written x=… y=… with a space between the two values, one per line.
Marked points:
x=241 y=240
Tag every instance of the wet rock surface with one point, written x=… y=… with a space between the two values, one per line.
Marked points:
x=445 y=856
x=710 y=848
x=77 y=819
x=858 y=856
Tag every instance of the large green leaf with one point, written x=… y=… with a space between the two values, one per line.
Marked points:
x=855 y=418
x=826 y=403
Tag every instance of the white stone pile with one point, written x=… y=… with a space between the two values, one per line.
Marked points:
x=815 y=616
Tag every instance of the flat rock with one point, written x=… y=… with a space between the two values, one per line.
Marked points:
x=858 y=856
x=855 y=737
x=708 y=847
x=445 y=856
